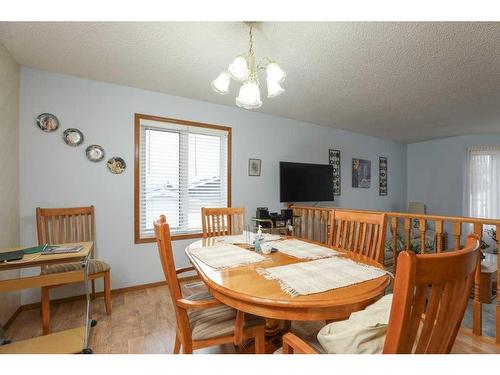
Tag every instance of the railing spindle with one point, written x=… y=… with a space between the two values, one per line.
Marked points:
x=394 y=226
x=408 y=233
x=422 y=223
x=306 y=224
x=439 y=236
x=457 y=234
x=320 y=219
x=313 y=212
x=477 y=313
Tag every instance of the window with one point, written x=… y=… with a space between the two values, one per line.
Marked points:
x=484 y=182
x=180 y=167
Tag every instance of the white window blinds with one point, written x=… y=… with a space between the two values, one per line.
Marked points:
x=181 y=169
x=484 y=182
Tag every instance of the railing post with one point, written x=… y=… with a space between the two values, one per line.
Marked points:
x=477 y=313
x=394 y=226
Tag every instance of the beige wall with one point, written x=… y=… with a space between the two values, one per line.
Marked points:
x=9 y=170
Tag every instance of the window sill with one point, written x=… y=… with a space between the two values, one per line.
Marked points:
x=176 y=237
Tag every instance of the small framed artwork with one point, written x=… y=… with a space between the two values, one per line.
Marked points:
x=361 y=173
x=254 y=167
x=334 y=160
x=382 y=175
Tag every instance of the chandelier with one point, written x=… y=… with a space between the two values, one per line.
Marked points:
x=244 y=70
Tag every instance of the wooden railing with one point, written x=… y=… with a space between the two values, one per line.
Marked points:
x=312 y=223
x=413 y=232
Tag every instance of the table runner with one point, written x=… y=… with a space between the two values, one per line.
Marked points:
x=225 y=256
x=320 y=275
x=303 y=250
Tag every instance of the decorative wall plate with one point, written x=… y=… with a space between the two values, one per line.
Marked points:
x=73 y=137
x=94 y=153
x=116 y=165
x=47 y=122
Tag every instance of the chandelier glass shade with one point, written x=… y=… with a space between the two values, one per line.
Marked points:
x=239 y=68
x=221 y=83
x=274 y=88
x=244 y=70
x=249 y=96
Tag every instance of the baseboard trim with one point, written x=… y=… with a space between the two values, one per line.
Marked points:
x=37 y=305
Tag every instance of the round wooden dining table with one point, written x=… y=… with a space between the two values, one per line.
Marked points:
x=246 y=290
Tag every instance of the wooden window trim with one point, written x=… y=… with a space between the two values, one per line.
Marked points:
x=137 y=134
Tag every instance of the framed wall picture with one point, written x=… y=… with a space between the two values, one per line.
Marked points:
x=254 y=167
x=334 y=159
x=361 y=173
x=382 y=175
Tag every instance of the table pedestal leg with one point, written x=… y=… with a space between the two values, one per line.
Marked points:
x=272 y=327
x=273 y=335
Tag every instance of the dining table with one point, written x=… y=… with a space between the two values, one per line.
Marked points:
x=245 y=289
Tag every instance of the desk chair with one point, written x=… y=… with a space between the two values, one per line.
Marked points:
x=65 y=225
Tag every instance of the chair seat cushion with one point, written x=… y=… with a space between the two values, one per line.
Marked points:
x=363 y=333
x=95 y=266
x=217 y=321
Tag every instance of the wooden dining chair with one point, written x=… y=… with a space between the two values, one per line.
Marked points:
x=359 y=232
x=203 y=321
x=222 y=221
x=431 y=292
x=69 y=225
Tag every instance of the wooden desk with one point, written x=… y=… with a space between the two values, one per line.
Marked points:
x=244 y=289
x=70 y=341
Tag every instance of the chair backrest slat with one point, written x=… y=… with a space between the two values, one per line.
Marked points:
x=60 y=225
x=222 y=221
x=360 y=232
x=431 y=292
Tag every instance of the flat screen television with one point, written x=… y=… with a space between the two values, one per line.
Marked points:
x=301 y=182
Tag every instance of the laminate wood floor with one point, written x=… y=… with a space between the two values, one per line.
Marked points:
x=143 y=321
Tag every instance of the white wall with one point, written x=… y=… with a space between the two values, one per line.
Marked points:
x=56 y=175
x=9 y=171
x=436 y=172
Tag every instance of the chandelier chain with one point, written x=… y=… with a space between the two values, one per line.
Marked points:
x=250 y=34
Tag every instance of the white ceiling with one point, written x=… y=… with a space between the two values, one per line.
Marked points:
x=402 y=81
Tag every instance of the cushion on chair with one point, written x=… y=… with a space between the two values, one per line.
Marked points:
x=363 y=333
x=217 y=321
x=95 y=266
